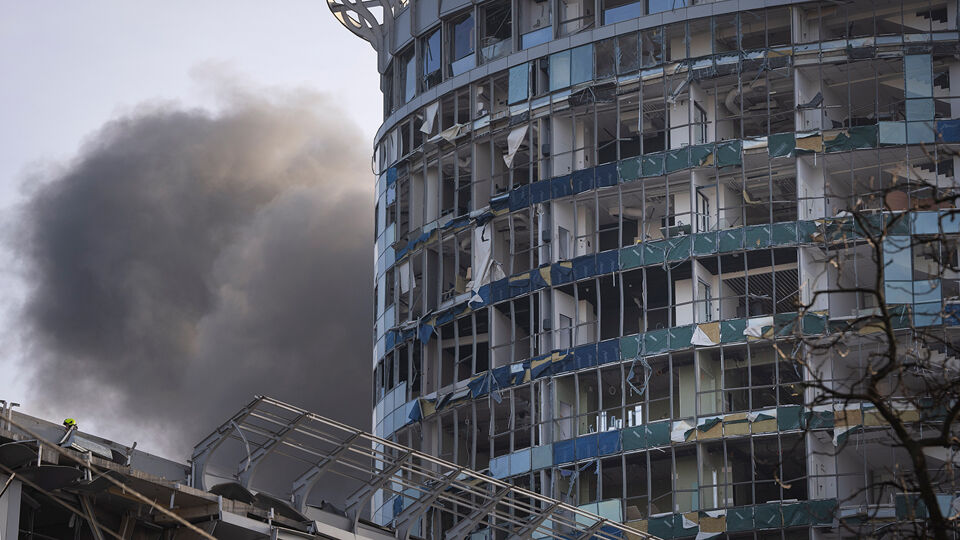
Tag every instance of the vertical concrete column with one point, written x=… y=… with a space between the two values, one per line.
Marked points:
x=10 y=509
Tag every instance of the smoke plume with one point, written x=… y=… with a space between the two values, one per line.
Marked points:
x=186 y=260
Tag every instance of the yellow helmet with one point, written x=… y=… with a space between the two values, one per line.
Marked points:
x=69 y=422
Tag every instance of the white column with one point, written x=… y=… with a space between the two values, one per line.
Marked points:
x=10 y=509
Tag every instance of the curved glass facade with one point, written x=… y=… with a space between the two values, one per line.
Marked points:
x=596 y=222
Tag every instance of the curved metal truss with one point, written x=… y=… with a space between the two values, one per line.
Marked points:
x=427 y=487
x=371 y=20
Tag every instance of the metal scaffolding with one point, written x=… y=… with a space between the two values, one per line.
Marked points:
x=428 y=489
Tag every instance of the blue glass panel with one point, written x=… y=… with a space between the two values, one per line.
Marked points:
x=892 y=133
x=950 y=223
x=520 y=198
x=920 y=109
x=463 y=38
x=500 y=466
x=926 y=223
x=584 y=266
x=585 y=355
x=541 y=457
x=657 y=6
x=539 y=191
x=897 y=261
x=520 y=462
x=608 y=442
x=948 y=130
x=518 y=85
x=927 y=314
x=919 y=76
x=898 y=292
x=431 y=54
x=609 y=351
x=563 y=451
x=410 y=79
x=586 y=446
x=921 y=132
x=581 y=64
x=537 y=37
x=926 y=290
x=559 y=71
x=623 y=13
x=463 y=65
x=611 y=510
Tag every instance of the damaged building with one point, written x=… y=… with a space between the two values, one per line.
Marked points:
x=256 y=477
x=600 y=224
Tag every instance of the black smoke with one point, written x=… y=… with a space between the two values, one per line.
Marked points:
x=186 y=260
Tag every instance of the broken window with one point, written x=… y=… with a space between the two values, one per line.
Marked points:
x=609 y=308
x=651 y=47
x=654 y=127
x=461 y=31
x=536 y=23
x=605 y=58
x=464 y=167
x=699 y=42
x=635 y=469
x=766 y=183
x=386 y=87
x=540 y=77
x=432 y=55
x=588 y=402
x=448 y=113
x=406 y=71
x=405 y=138
x=511 y=336
x=700 y=124
x=607 y=139
x=753 y=29
x=779 y=27
x=565 y=403
x=613 y=233
x=661 y=482
x=495 y=30
x=484 y=167
x=456 y=265
x=726 y=34
x=628 y=124
x=575 y=15
x=628 y=53
x=585 y=227
x=611 y=397
x=686 y=480
x=632 y=300
x=675 y=41
x=572 y=137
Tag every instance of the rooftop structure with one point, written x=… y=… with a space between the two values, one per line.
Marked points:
x=59 y=483
x=614 y=240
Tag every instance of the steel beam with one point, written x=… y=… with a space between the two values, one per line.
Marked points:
x=528 y=530
x=423 y=503
x=248 y=466
x=461 y=529
x=305 y=482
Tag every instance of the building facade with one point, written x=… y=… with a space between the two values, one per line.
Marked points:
x=606 y=230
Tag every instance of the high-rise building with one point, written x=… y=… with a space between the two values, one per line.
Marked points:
x=614 y=237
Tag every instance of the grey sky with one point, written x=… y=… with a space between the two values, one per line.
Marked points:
x=70 y=67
